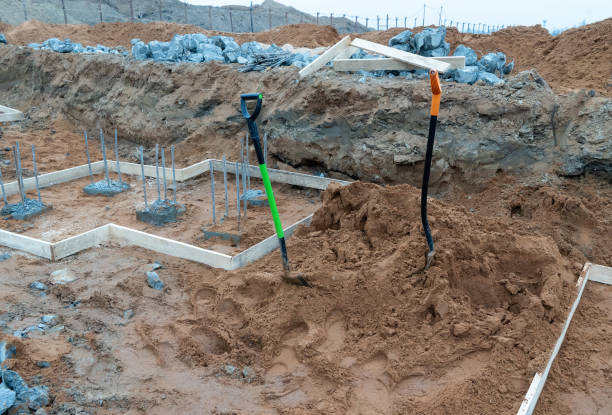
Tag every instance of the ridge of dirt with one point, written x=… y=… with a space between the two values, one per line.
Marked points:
x=579 y=58
x=120 y=34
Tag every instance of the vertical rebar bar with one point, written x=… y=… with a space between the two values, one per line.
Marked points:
x=248 y=162
x=212 y=191
x=3 y=191
x=225 y=186
x=35 y=172
x=144 y=179
x=18 y=171
x=117 y=156
x=104 y=157
x=237 y=173
x=164 y=173
x=173 y=173
x=244 y=189
x=265 y=149
x=88 y=158
x=157 y=171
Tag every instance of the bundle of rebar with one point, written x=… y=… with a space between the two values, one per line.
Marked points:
x=267 y=60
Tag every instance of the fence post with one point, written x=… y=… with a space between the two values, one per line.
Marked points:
x=185 y=12
x=367 y=18
x=463 y=26
x=100 y=10
x=210 y=17
x=405 y=19
x=387 y=28
x=160 y=3
x=395 y=21
x=286 y=18
x=468 y=28
x=231 y=21
x=132 y=11
x=25 y=10
x=270 y=18
x=331 y=19
x=64 y=10
x=251 y=13
x=377 y=23
x=317 y=17
x=451 y=22
x=414 y=22
x=424 y=15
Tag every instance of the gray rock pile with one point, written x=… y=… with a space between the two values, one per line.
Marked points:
x=197 y=47
x=15 y=394
x=67 y=46
x=430 y=42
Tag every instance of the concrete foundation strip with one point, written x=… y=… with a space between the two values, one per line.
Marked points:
x=593 y=272
x=9 y=114
x=126 y=236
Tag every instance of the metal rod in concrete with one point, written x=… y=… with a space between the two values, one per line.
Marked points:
x=144 y=179
x=104 y=157
x=157 y=170
x=248 y=162
x=117 y=156
x=173 y=173
x=3 y=191
x=18 y=171
x=244 y=189
x=265 y=149
x=35 y=172
x=212 y=190
x=164 y=173
x=225 y=186
x=237 y=173
x=88 y=158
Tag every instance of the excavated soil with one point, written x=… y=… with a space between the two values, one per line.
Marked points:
x=578 y=58
x=375 y=334
x=120 y=34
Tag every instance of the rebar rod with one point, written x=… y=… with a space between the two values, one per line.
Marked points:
x=173 y=173
x=104 y=157
x=212 y=190
x=225 y=186
x=244 y=190
x=19 y=173
x=88 y=158
x=237 y=173
x=164 y=173
x=35 y=172
x=144 y=180
x=248 y=162
x=117 y=156
x=3 y=191
x=157 y=171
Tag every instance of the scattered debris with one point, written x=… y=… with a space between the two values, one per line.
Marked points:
x=4 y=256
x=154 y=281
x=37 y=285
x=62 y=276
x=33 y=398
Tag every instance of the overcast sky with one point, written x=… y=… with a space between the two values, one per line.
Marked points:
x=557 y=13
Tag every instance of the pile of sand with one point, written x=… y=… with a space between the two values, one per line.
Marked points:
x=120 y=34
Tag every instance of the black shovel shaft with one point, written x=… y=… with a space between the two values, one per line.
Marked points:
x=424 y=189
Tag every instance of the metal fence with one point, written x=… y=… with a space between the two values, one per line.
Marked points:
x=234 y=18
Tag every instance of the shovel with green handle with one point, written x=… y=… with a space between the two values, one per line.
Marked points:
x=251 y=117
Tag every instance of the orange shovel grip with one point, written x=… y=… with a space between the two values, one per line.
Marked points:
x=436 y=91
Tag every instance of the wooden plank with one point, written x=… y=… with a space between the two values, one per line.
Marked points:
x=127 y=236
x=529 y=407
x=601 y=274
x=389 y=64
x=9 y=114
x=407 y=57
x=326 y=57
x=78 y=243
x=288 y=177
x=194 y=170
x=26 y=244
x=266 y=246
x=347 y=53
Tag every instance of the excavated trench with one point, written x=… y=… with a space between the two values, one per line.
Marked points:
x=328 y=123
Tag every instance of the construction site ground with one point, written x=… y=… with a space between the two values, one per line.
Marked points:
x=376 y=333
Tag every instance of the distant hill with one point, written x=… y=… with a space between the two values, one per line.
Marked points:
x=265 y=16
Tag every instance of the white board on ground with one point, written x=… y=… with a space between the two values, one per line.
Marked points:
x=9 y=114
x=80 y=242
x=601 y=274
x=326 y=57
x=389 y=64
x=26 y=244
x=407 y=57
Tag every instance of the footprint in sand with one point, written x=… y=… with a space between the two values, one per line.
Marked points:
x=335 y=333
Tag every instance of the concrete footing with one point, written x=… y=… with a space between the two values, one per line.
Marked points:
x=104 y=188
x=24 y=211
x=161 y=212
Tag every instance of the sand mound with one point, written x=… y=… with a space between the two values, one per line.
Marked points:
x=120 y=34
x=394 y=338
x=575 y=59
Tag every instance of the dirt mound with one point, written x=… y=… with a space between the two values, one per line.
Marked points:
x=575 y=59
x=120 y=34
x=389 y=336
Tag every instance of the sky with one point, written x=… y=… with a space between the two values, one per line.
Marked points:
x=552 y=14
